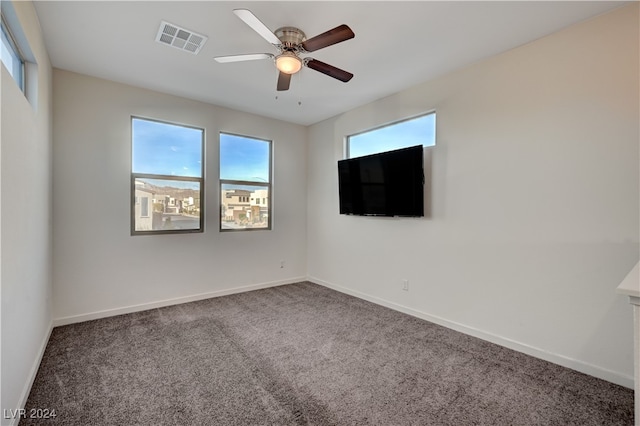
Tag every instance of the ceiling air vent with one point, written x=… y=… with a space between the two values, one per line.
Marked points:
x=180 y=38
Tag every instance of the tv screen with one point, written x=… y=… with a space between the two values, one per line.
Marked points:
x=387 y=184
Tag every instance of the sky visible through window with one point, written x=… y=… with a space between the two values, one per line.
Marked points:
x=10 y=57
x=172 y=150
x=416 y=131
x=167 y=149
x=243 y=158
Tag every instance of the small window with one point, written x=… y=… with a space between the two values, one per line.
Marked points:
x=11 y=57
x=403 y=134
x=144 y=208
x=167 y=183
x=245 y=177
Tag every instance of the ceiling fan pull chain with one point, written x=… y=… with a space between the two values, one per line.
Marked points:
x=299 y=89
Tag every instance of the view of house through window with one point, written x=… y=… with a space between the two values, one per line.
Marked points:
x=245 y=183
x=402 y=134
x=166 y=177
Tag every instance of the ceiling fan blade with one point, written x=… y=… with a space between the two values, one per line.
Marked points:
x=239 y=58
x=250 y=19
x=329 y=70
x=336 y=35
x=283 y=81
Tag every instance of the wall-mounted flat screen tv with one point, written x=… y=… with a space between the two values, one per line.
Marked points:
x=386 y=184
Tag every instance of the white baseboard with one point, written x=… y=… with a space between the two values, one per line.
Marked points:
x=22 y=401
x=574 y=364
x=169 y=302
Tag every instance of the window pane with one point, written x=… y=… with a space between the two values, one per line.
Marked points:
x=416 y=131
x=163 y=204
x=144 y=207
x=166 y=149
x=244 y=206
x=11 y=58
x=243 y=158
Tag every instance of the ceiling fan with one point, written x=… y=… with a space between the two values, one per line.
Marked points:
x=291 y=42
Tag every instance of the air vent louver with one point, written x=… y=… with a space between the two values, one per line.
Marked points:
x=180 y=38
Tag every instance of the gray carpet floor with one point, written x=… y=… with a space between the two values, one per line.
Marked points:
x=303 y=354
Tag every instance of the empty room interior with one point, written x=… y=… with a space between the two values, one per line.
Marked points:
x=194 y=229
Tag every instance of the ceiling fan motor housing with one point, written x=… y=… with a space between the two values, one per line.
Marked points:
x=291 y=37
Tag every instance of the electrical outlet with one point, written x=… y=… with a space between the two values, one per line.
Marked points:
x=405 y=285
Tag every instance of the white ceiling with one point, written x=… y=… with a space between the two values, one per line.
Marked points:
x=397 y=45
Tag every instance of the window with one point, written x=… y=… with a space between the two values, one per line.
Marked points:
x=414 y=131
x=167 y=184
x=11 y=57
x=245 y=176
x=145 y=207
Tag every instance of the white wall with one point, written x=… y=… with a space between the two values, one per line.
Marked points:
x=25 y=225
x=534 y=200
x=99 y=268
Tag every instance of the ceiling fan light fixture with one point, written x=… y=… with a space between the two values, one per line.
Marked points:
x=288 y=63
